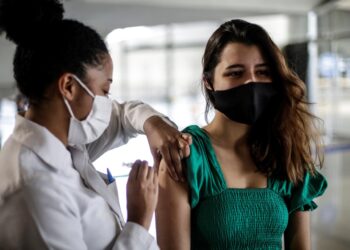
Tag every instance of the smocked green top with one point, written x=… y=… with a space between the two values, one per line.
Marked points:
x=234 y=218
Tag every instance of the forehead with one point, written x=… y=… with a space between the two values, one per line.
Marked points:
x=239 y=53
x=100 y=72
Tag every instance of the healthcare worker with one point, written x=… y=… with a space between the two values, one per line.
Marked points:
x=51 y=197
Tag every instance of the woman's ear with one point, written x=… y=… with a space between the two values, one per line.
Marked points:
x=206 y=82
x=66 y=86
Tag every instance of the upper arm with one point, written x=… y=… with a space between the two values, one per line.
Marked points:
x=297 y=234
x=173 y=212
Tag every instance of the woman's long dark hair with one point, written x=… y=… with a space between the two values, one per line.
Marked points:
x=285 y=142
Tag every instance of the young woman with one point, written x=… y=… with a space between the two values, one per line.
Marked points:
x=251 y=175
x=50 y=194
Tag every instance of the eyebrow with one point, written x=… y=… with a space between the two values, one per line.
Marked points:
x=234 y=66
x=262 y=65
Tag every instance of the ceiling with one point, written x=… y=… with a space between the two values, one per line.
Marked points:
x=239 y=5
x=106 y=15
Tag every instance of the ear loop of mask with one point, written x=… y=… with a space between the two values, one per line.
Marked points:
x=85 y=88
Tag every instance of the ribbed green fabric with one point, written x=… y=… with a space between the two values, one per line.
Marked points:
x=233 y=218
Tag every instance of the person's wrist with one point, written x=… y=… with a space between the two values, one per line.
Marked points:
x=151 y=123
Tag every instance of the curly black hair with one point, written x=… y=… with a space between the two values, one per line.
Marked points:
x=47 y=44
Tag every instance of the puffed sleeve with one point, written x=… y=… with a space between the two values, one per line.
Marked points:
x=301 y=197
x=304 y=193
x=203 y=176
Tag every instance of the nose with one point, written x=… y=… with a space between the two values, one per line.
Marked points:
x=251 y=77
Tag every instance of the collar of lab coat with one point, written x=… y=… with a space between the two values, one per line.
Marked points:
x=42 y=142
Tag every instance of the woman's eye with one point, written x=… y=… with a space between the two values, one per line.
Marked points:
x=264 y=72
x=235 y=73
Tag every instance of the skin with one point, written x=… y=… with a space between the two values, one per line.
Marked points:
x=239 y=64
x=166 y=141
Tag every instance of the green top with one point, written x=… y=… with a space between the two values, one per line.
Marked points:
x=234 y=218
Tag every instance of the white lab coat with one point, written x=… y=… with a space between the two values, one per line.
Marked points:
x=52 y=197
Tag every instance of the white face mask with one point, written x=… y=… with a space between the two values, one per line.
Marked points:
x=90 y=129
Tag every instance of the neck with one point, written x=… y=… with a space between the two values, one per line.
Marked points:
x=227 y=133
x=51 y=116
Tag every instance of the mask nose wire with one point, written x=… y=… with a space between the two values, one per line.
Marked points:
x=84 y=86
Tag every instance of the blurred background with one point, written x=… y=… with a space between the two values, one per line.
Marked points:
x=157 y=46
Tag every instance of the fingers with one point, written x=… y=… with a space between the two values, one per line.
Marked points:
x=172 y=146
x=181 y=155
x=144 y=172
x=187 y=138
x=150 y=174
x=142 y=194
x=134 y=170
x=169 y=162
x=184 y=145
x=175 y=155
x=186 y=152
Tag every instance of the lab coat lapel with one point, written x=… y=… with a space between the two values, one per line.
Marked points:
x=94 y=181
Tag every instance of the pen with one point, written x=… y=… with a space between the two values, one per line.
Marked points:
x=110 y=176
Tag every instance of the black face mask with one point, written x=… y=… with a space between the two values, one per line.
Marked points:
x=245 y=103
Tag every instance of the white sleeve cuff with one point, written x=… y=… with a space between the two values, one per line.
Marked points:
x=140 y=236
